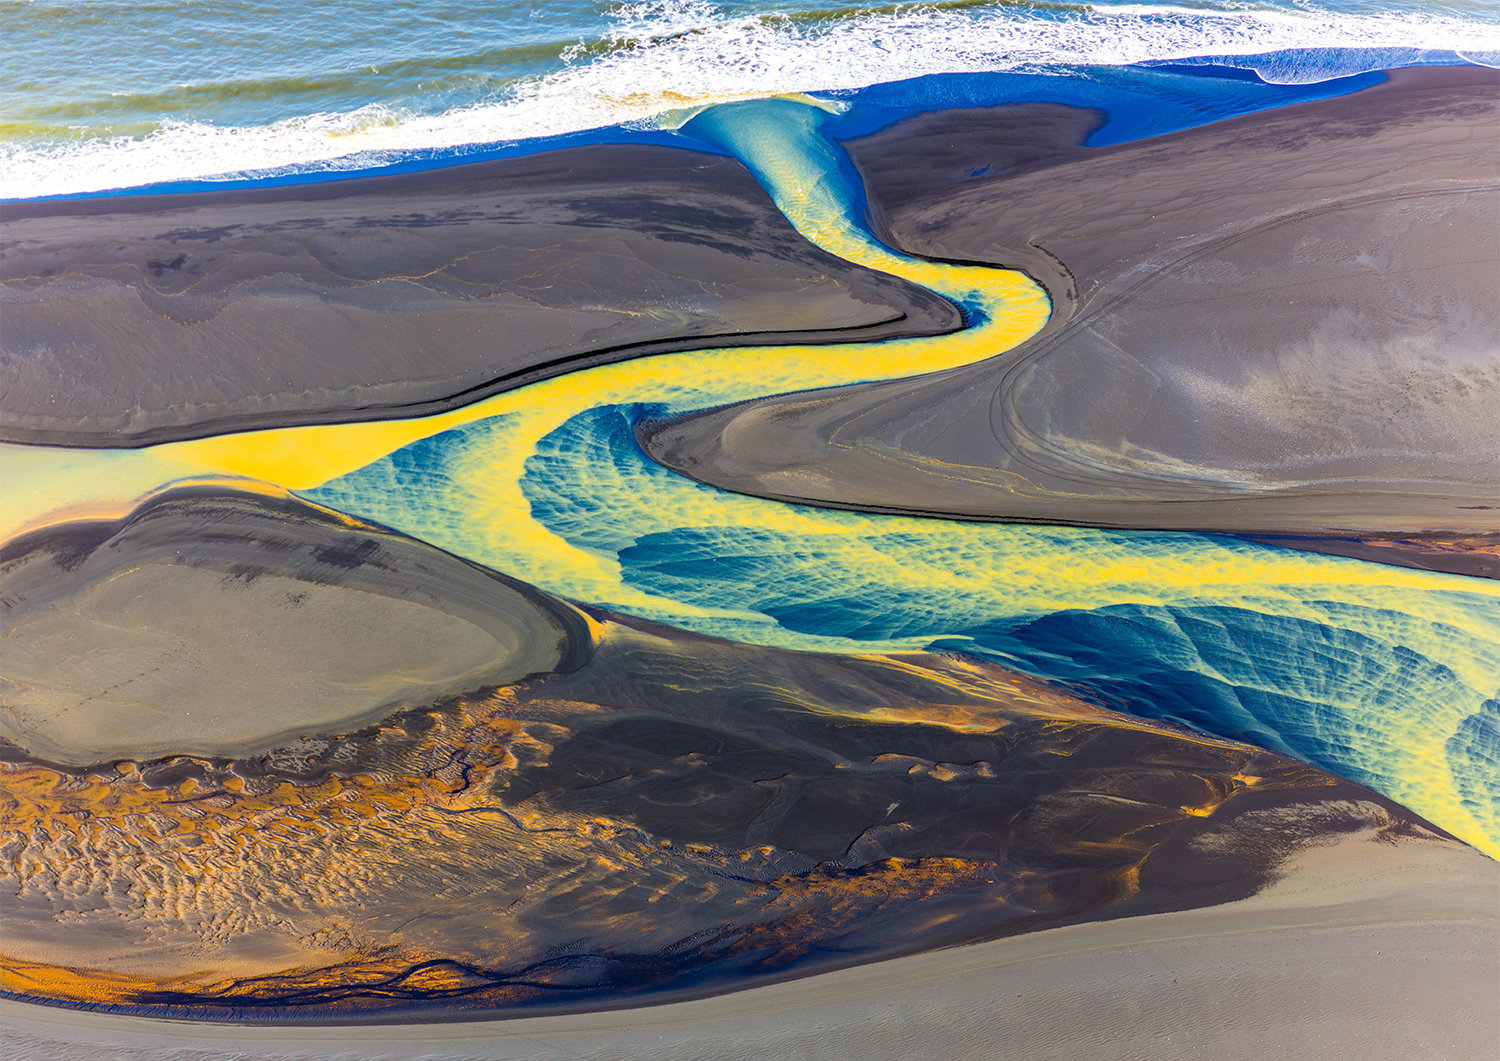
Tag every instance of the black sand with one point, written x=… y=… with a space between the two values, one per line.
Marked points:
x=212 y=622
x=675 y=817
x=150 y=318
x=1281 y=323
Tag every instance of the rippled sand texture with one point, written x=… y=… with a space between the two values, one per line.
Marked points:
x=146 y=318
x=674 y=816
x=1267 y=974
x=432 y=707
x=1281 y=322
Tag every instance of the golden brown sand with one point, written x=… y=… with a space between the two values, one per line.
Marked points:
x=1362 y=950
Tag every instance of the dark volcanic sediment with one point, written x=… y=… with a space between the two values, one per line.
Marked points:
x=213 y=622
x=143 y=319
x=676 y=816
x=1280 y=323
x=1471 y=554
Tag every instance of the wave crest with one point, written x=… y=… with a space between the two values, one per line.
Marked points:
x=664 y=55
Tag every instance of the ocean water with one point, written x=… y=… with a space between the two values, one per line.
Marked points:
x=109 y=94
x=1387 y=676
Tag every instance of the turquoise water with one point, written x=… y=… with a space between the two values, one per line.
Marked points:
x=110 y=94
x=1390 y=678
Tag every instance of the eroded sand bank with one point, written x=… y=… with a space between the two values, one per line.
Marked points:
x=142 y=319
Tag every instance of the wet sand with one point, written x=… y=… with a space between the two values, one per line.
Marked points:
x=1281 y=323
x=1364 y=949
x=142 y=319
x=668 y=816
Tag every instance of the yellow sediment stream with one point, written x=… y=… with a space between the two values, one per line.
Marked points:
x=1405 y=723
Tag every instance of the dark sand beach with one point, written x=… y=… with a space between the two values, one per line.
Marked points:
x=1283 y=322
x=150 y=318
x=659 y=816
x=291 y=773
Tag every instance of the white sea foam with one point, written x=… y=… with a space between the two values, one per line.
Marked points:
x=664 y=55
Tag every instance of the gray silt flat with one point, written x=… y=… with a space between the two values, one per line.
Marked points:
x=141 y=319
x=1283 y=322
x=210 y=622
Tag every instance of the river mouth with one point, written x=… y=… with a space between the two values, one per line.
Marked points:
x=550 y=724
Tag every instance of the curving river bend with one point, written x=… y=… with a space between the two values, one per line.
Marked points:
x=1387 y=676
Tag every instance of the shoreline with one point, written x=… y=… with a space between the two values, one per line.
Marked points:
x=1325 y=916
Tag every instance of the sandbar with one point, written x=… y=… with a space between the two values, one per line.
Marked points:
x=148 y=318
x=1280 y=323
